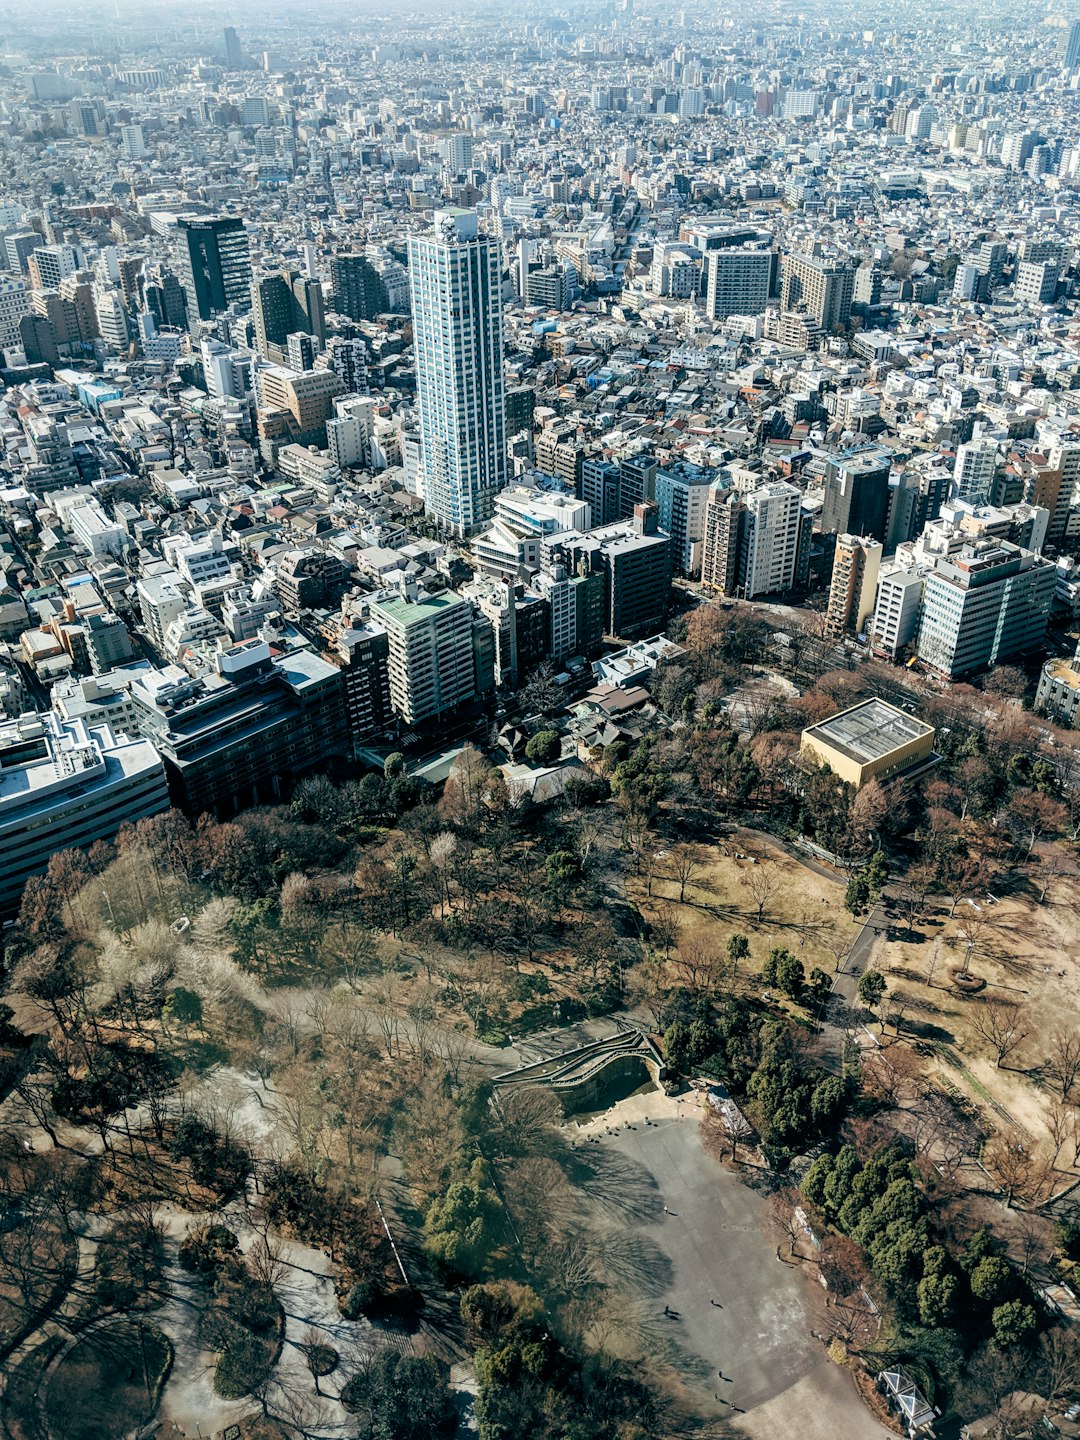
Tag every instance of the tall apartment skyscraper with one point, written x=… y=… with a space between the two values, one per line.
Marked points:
x=358 y=288
x=823 y=288
x=857 y=495
x=737 y=282
x=752 y=542
x=234 y=54
x=286 y=304
x=214 y=264
x=458 y=336
x=1072 y=46
x=856 y=565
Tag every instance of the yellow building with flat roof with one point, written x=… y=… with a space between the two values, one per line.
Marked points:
x=871 y=740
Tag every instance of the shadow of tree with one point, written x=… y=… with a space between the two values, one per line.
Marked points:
x=614 y=1182
x=635 y=1262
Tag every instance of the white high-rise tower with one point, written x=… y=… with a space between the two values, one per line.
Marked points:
x=458 y=338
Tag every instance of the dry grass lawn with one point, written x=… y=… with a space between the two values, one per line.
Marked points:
x=1027 y=956
x=802 y=910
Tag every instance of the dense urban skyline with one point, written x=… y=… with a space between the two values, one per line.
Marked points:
x=539 y=713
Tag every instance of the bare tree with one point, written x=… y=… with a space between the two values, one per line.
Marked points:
x=1059 y=1366
x=664 y=928
x=1012 y=1165
x=1059 y=1122
x=763 y=880
x=698 y=968
x=892 y=1073
x=780 y=1210
x=972 y=924
x=1063 y=1062
x=685 y=864
x=1001 y=1025
x=650 y=986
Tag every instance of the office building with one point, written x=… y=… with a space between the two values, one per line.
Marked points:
x=457 y=330
x=430 y=652
x=234 y=54
x=108 y=642
x=282 y=305
x=853 y=590
x=821 y=288
x=64 y=785
x=214 y=264
x=985 y=605
x=246 y=733
x=857 y=495
x=737 y=282
x=1058 y=695
x=1072 y=46
x=870 y=741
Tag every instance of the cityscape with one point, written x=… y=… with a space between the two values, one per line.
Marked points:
x=539 y=722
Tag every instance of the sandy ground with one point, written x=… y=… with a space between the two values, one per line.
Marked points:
x=704 y=1229
x=306 y=1293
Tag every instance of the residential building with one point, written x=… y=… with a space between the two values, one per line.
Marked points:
x=896 y=613
x=14 y=306
x=857 y=495
x=133 y=142
x=601 y=489
x=636 y=562
x=974 y=470
x=296 y=404
x=822 y=288
x=769 y=541
x=682 y=495
x=725 y=519
x=737 y=282
x=93 y=529
x=357 y=288
x=284 y=304
x=430 y=652
x=853 y=590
